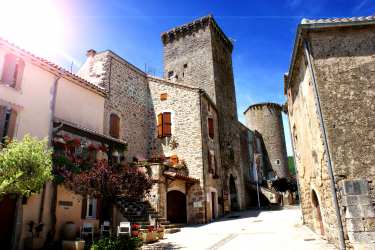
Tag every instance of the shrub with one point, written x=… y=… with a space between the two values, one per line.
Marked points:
x=120 y=243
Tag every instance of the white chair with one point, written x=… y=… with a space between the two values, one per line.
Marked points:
x=87 y=228
x=104 y=228
x=124 y=228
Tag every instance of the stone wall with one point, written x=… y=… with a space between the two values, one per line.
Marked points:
x=266 y=118
x=342 y=61
x=128 y=97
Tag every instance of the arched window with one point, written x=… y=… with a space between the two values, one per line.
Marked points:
x=114 y=128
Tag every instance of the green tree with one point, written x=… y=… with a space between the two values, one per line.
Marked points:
x=24 y=166
x=291 y=165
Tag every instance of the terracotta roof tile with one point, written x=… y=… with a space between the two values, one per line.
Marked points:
x=180 y=176
x=338 y=20
x=55 y=66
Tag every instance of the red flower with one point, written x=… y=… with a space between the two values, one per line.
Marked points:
x=159 y=229
x=136 y=234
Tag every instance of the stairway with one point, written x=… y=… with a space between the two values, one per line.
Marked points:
x=132 y=211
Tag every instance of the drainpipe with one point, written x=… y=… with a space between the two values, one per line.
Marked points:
x=325 y=145
x=295 y=169
x=203 y=157
x=50 y=140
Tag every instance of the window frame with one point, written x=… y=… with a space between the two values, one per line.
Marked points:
x=162 y=125
x=94 y=208
x=9 y=109
x=8 y=87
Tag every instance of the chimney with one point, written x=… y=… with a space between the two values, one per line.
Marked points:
x=91 y=53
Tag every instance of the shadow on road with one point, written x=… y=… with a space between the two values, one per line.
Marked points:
x=161 y=245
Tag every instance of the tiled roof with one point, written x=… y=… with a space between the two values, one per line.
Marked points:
x=180 y=176
x=338 y=20
x=54 y=66
x=175 y=83
x=11 y=103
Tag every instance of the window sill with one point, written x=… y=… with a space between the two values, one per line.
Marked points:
x=91 y=218
x=10 y=88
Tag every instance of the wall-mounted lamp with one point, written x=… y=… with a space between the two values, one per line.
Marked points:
x=228 y=144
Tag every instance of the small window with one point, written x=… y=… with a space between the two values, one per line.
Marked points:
x=91 y=208
x=66 y=203
x=209 y=107
x=251 y=171
x=163 y=96
x=164 y=125
x=114 y=128
x=278 y=162
x=250 y=150
x=171 y=76
x=249 y=135
x=211 y=127
x=209 y=162
x=185 y=66
x=13 y=69
x=272 y=175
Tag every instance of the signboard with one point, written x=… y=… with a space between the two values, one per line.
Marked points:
x=208 y=197
x=226 y=201
x=197 y=204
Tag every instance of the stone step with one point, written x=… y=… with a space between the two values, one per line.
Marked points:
x=172 y=230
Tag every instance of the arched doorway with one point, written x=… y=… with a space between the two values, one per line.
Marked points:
x=176 y=207
x=233 y=195
x=318 y=216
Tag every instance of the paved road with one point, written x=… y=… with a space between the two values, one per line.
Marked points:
x=276 y=230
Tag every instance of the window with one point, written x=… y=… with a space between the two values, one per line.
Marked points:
x=250 y=150
x=258 y=142
x=163 y=96
x=209 y=107
x=249 y=135
x=91 y=208
x=13 y=69
x=215 y=162
x=171 y=76
x=251 y=171
x=278 y=162
x=185 y=66
x=211 y=127
x=209 y=162
x=8 y=119
x=164 y=125
x=114 y=128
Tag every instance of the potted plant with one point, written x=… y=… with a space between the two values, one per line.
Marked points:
x=70 y=230
x=158 y=158
x=77 y=244
x=184 y=164
x=35 y=242
x=143 y=162
x=92 y=148
x=77 y=158
x=168 y=162
x=161 y=232
x=73 y=144
x=135 y=229
x=178 y=165
x=149 y=236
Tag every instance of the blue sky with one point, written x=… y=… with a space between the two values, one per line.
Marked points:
x=63 y=30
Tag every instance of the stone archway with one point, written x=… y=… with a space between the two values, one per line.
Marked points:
x=234 y=205
x=317 y=213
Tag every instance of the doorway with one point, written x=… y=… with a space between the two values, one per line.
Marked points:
x=176 y=207
x=318 y=216
x=7 y=212
x=213 y=204
x=233 y=195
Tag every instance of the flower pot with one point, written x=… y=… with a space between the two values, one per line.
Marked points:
x=34 y=243
x=78 y=160
x=73 y=245
x=70 y=231
x=168 y=163
x=161 y=235
x=148 y=237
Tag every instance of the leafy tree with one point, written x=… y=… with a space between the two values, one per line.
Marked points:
x=24 y=166
x=291 y=165
x=109 y=182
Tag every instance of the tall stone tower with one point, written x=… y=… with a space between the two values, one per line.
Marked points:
x=200 y=54
x=266 y=118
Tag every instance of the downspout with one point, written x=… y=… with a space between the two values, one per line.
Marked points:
x=325 y=145
x=50 y=140
x=295 y=169
x=203 y=157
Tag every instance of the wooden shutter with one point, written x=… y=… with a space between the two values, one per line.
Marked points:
x=215 y=165
x=84 y=208
x=211 y=127
x=3 y=115
x=9 y=68
x=160 y=125
x=174 y=158
x=167 y=124
x=209 y=163
x=114 y=129
x=19 y=76
x=258 y=158
x=163 y=96
x=98 y=208
x=12 y=123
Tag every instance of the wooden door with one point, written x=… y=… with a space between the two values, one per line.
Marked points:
x=176 y=207
x=7 y=211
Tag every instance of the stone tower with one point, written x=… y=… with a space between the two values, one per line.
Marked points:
x=200 y=54
x=266 y=118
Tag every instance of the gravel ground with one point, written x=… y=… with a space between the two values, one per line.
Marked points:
x=253 y=229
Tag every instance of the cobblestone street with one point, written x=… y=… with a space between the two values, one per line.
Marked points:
x=253 y=229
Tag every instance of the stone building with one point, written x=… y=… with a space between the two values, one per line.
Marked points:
x=330 y=99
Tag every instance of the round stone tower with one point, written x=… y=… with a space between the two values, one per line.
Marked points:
x=266 y=118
